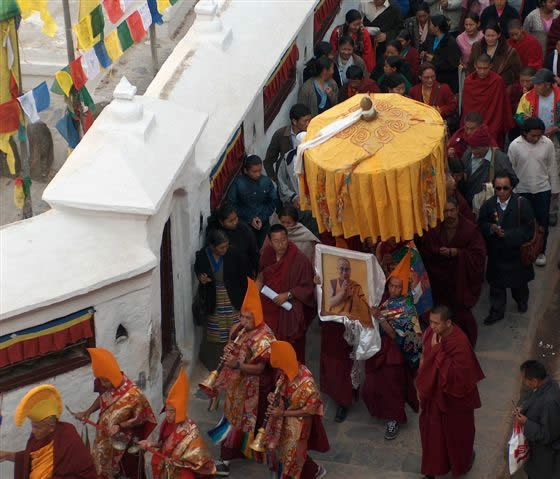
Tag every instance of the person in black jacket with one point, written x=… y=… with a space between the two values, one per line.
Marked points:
x=506 y=221
x=388 y=22
x=444 y=54
x=223 y=284
x=321 y=49
x=241 y=237
x=490 y=16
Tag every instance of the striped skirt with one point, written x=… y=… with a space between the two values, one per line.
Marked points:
x=225 y=316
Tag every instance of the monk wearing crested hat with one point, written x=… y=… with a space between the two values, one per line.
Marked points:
x=54 y=449
x=124 y=416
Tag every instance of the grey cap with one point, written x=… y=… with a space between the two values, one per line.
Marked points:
x=543 y=76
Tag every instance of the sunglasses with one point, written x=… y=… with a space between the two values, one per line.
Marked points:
x=502 y=188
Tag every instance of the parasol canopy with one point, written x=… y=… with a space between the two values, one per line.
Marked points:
x=381 y=178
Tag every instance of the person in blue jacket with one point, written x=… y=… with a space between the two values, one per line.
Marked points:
x=254 y=197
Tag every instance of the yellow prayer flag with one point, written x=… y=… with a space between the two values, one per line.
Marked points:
x=7 y=49
x=65 y=81
x=86 y=6
x=84 y=33
x=6 y=147
x=162 y=5
x=113 y=46
x=27 y=8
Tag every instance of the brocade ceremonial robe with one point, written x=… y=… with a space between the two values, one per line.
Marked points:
x=124 y=404
x=70 y=457
x=289 y=438
x=447 y=386
x=246 y=394
x=184 y=445
x=294 y=273
x=456 y=281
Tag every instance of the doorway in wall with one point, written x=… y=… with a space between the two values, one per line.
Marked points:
x=170 y=356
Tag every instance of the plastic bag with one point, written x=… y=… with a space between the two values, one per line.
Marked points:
x=518 y=448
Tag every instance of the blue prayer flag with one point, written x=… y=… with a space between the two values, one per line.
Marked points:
x=67 y=129
x=42 y=97
x=102 y=54
x=156 y=16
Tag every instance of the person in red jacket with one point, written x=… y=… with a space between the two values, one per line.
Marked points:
x=433 y=93
x=527 y=46
x=362 y=42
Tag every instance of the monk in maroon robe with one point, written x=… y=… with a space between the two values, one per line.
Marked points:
x=457 y=144
x=71 y=457
x=485 y=92
x=454 y=254
x=288 y=272
x=447 y=388
x=527 y=46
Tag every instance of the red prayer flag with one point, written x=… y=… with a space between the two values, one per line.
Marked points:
x=9 y=116
x=88 y=120
x=113 y=9
x=78 y=75
x=136 y=26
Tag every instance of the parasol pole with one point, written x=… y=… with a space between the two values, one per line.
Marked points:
x=25 y=151
x=153 y=48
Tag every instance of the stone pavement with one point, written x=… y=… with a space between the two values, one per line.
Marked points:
x=358 y=449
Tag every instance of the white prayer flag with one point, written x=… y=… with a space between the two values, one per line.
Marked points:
x=90 y=64
x=144 y=12
x=27 y=102
x=9 y=49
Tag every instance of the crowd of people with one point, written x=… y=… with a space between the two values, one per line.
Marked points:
x=491 y=70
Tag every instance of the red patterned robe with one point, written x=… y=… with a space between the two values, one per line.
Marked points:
x=126 y=403
x=182 y=443
x=246 y=394
x=289 y=438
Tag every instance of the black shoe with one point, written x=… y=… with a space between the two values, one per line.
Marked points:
x=341 y=413
x=522 y=307
x=491 y=319
x=392 y=430
x=222 y=468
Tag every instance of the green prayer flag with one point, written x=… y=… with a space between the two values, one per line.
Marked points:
x=22 y=135
x=8 y=9
x=97 y=21
x=125 y=38
x=55 y=87
x=27 y=186
x=86 y=99
x=173 y=2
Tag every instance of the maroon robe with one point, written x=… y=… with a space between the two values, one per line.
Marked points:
x=293 y=273
x=71 y=460
x=464 y=272
x=447 y=388
x=464 y=208
x=441 y=97
x=389 y=383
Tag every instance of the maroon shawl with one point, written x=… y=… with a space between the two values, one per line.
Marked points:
x=293 y=273
x=465 y=271
x=449 y=373
x=72 y=460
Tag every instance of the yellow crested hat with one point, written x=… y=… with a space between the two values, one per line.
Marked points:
x=178 y=397
x=105 y=366
x=283 y=356
x=38 y=404
x=252 y=302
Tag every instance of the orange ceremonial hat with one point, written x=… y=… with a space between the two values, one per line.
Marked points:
x=283 y=356
x=252 y=302
x=178 y=397
x=105 y=366
x=38 y=404
x=402 y=271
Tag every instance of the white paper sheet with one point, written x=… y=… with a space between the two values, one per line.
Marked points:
x=271 y=294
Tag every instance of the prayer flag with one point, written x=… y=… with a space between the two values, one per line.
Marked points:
x=125 y=38
x=88 y=120
x=125 y=4
x=67 y=129
x=7 y=43
x=27 y=102
x=27 y=186
x=86 y=99
x=86 y=7
x=136 y=27
x=146 y=16
x=84 y=33
x=162 y=5
x=113 y=46
x=90 y=64
x=28 y=7
x=42 y=96
x=97 y=21
x=19 y=196
x=156 y=16
x=8 y=9
x=113 y=9
x=173 y=2
x=79 y=77
x=9 y=61
x=6 y=147
x=57 y=86
x=102 y=55
x=9 y=116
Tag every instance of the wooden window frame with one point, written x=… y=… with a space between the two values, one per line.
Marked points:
x=272 y=109
x=319 y=35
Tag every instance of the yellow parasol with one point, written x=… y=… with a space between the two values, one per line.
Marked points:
x=378 y=178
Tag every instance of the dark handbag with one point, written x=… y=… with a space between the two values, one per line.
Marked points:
x=531 y=249
x=198 y=311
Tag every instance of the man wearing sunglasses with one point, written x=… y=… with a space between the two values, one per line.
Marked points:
x=506 y=221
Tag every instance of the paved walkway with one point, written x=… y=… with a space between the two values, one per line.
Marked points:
x=358 y=449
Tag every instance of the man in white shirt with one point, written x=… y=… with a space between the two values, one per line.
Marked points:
x=533 y=159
